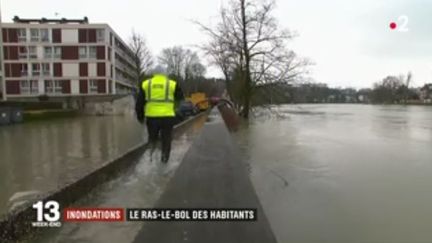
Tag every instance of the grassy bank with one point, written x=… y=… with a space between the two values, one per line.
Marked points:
x=33 y=105
x=40 y=115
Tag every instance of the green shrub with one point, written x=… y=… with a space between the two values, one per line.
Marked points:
x=43 y=97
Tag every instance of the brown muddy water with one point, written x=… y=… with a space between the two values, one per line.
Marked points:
x=343 y=173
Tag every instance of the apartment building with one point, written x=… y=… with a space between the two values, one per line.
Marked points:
x=63 y=58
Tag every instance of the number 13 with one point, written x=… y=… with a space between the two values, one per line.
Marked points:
x=53 y=215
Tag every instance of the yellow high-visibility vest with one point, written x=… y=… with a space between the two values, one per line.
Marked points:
x=159 y=93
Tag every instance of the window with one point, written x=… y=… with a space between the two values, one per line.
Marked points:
x=93 y=86
x=100 y=35
x=25 y=87
x=53 y=87
x=48 y=52
x=57 y=52
x=83 y=52
x=29 y=87
x=109 y=54
x=34 y=86
x=22 y=52
x=36 y=69
x=34 y=35
x=22 y=35
x=57 y=87
x=24 y=70
x=92 y=52
x=32 y=52
x=46 y=68
x=44 y=35
x=49 y=87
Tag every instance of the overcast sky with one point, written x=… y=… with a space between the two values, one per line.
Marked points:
x=349 y=40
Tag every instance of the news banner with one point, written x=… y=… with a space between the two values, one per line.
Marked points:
x=48 y=214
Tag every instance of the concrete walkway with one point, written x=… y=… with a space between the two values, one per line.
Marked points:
x=212 y=175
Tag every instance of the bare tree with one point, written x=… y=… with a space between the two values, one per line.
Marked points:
x=185 y=66
x=392 y=89
x=406 y=86
x=183 y=63
x=173 y=59
x=250 y=49
x=193 y=68
x=142 y=57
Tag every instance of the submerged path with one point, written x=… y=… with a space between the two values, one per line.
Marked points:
x=211 y=175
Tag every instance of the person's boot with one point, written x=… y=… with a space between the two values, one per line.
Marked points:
x=152 y=148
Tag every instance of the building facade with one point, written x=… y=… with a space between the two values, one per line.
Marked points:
x=426 y=93
x=63 y=58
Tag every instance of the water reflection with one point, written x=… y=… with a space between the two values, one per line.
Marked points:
x=42 y=156
x=139 y=187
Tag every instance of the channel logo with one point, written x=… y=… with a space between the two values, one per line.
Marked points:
x=47 y=214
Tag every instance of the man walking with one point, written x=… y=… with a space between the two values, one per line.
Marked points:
x=156 y=101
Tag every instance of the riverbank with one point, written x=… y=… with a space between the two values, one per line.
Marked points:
x=41 y=115
x=358 y=103
x=41 y=111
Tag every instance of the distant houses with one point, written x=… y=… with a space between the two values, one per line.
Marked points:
x=320 y=93
x=426 y=93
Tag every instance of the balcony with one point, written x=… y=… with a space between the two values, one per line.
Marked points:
x=124 y=56
x=120 y=77
x=22 y=56
x=36 y=73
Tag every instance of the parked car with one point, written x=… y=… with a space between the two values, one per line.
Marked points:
x=185 y=109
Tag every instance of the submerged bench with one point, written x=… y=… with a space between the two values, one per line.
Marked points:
x=211 y=175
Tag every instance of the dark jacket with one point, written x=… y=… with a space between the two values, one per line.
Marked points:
x=141 y=100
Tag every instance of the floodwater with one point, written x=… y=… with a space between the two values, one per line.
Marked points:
x=138 y=187
x=39 y=157
x=343 y=173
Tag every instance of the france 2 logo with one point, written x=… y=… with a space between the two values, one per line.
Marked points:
x=47 y=214
x=401 y=24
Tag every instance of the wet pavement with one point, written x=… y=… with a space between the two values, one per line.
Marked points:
x=140 y=186
x=343 y=173
x=211 y=175
x=41 y=156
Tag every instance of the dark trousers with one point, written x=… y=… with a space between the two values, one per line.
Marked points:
x=164 y=127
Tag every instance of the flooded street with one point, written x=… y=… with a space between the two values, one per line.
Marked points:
x=323 y=173
x=140 y=186
x=343 y=173
x=42 y=156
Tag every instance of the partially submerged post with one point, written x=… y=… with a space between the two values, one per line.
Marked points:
x=229 y=115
